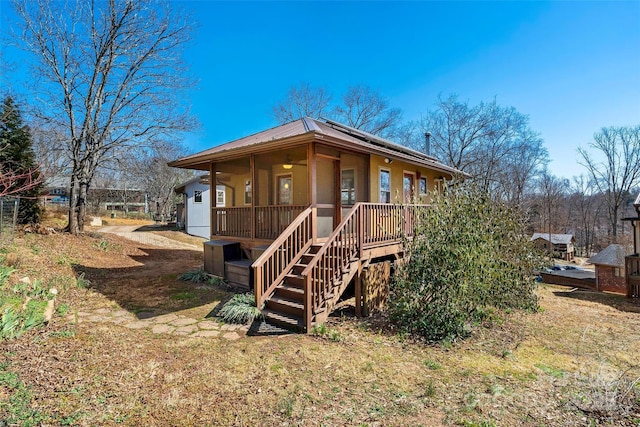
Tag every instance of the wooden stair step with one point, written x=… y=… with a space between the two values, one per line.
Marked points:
x=285 y=306
x=287 y=321
x=298 y=268
x=314 y=248
x=294 y=280
x=290 y=292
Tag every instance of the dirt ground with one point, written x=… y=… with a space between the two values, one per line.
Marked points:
x=556 y=367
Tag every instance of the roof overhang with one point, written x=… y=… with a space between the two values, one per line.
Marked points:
x=305 y=131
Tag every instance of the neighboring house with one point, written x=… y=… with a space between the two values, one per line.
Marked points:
x=194 y=213
x=309 y=206
x=560 y=245
x=56 y=191
x=632 y=262
x=610 y=270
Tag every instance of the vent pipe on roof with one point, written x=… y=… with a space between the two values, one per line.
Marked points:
x=427 y=139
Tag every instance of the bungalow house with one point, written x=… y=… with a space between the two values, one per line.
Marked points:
x=193 y=213
x=632 y=262
x=309 y=205
x=610 y=271
x=560 y=245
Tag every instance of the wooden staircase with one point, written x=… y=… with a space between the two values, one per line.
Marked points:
x=299 y=281
x=285 y=308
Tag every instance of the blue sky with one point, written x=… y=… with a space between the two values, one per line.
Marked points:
x=573 y=67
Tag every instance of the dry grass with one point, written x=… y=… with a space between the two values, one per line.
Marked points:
x=523 y=371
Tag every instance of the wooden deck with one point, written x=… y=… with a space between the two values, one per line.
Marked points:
x=298 y=280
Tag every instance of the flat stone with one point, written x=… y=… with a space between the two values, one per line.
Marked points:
x=119 y=320
x=187 y=329
x=138 y=324
x=228 y=327
x=164 y=318
x=183 y=322
x=103 y=311
x=162 y=329
x=97 y=318
x=207 y=324
x=206 y=334
x=231 y=336
x=121 y=313
x=83 y=314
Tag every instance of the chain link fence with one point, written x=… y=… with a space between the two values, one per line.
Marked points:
x=8 y=216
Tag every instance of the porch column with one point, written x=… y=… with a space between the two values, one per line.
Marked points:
x=312 y=189
x=212 y=198
x=252 y=161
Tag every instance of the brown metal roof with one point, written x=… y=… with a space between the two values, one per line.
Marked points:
x=305 y=130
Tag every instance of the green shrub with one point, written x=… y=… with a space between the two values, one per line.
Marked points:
x=240 y=309
x=195 y=276
x=470 y=255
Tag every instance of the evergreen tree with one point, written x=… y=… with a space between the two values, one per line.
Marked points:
x=17 y=157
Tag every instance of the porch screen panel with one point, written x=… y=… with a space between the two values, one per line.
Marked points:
x=326 y=181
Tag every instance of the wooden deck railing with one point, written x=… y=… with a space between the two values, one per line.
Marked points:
x=274 y=263
x=231 y=221
x=366 y=225
x=384 y=223
x=271 y=221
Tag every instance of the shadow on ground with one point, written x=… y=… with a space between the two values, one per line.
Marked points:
x=617 y=301
x=148 y=285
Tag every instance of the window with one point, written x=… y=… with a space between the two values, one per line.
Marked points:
x=348 y=188
x=385 y=186
x=247 y=192
x=423 y=186
x=220 y=198
x=197 y=196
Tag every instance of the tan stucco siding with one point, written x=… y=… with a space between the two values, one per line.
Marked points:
x=397 y=170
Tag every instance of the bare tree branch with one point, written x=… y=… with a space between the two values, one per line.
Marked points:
x=619 y=170
x=110 y=77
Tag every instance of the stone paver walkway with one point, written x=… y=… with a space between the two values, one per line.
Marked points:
x=171 y=323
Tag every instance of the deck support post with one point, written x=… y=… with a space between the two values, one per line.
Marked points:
x=358 y=286
x=212 y=200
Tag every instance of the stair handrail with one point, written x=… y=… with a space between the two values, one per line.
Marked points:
x=346 y=243
x=323 y=265
x=276 y=261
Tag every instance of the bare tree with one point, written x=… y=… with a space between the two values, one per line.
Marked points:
x=362 y=108
x=16 y=182
x=552 y=191
x=159 y=180
x=18 y=172
x=492 y=143
x=302 y=101
x=366 y=109
x=620 y=169
x=585 y=207
x=110 y=76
